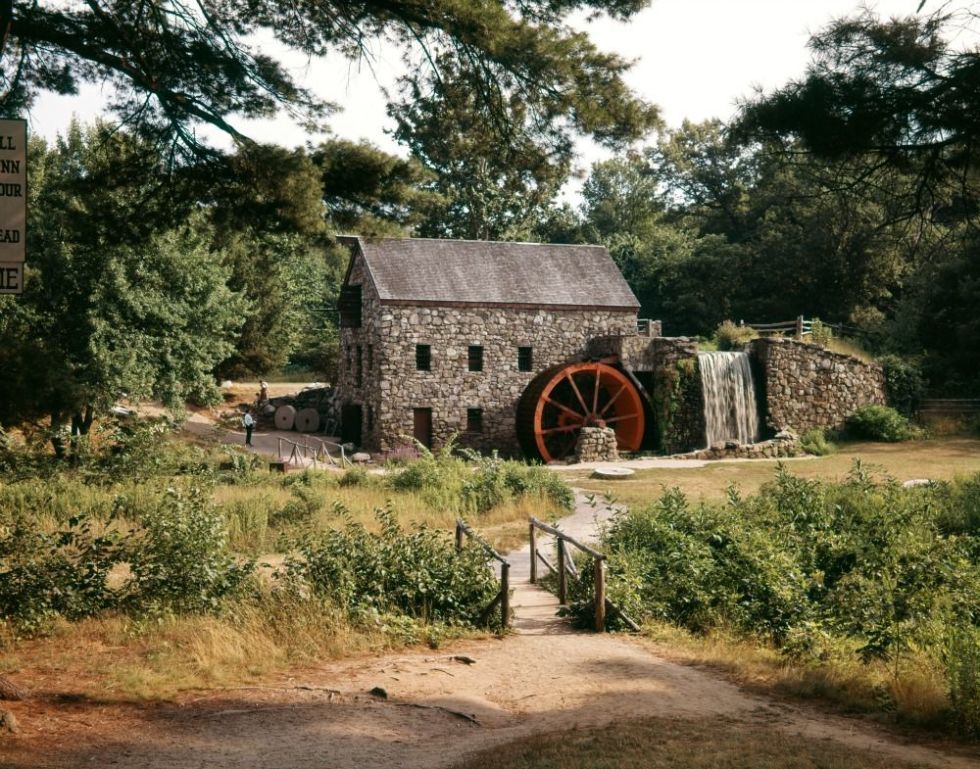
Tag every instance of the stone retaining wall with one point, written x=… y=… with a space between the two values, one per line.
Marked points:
x=805 y=386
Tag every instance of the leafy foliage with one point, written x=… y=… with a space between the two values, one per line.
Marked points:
x=175 y=64
x=815 y=442
x=179 y=559
x=904 y=384
x=43 y=576
x=806 y=562
x=728 y=336
x=880 y=423
x=418 y=574
x=474 y=483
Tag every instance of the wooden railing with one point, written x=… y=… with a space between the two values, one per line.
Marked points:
x=503 y=596
x=952 y=407
x=800 y=327
x=319 y=453
x=566 y=569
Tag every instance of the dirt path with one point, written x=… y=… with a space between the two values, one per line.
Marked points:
x=435 y=708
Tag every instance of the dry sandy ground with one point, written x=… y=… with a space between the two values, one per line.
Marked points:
x=438 y=710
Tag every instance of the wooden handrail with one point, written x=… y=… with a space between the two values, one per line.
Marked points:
x=503 y=596
x=603 y=606
x=535 y=523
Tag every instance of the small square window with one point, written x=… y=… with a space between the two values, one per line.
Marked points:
x=474 y=420
x=475 y=358
x=525 y=359
x=423 y=357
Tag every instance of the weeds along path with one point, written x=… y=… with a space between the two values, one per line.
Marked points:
x=427 y=709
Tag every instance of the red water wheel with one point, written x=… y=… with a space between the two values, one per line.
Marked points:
x=561 y=400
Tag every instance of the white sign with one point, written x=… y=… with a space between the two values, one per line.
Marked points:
x=11 y=277
x=13 y=190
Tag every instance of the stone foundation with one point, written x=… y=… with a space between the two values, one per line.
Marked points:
x=785 y=444
x=596 y=444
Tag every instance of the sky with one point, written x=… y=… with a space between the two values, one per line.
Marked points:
x=693 y=58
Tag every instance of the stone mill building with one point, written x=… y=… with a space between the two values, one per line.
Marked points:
x=441 y=337
x=520 y=347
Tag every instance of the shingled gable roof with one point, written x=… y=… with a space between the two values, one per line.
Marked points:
x=494 y=273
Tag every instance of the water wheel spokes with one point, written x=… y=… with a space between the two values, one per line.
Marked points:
x=560 y=401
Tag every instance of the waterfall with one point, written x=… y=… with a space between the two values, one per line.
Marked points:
x=730 y=412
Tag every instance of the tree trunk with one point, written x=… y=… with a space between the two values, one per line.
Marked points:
x=57 y=439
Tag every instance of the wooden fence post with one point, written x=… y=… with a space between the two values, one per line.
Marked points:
x=799 y=328
x=534 y=555
x=505 y=594
x=600 y=594
x=459 y=535
x=562 y=574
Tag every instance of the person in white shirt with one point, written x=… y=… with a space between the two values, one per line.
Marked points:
x=248 y=421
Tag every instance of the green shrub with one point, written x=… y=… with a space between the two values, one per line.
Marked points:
x=355 y=476
x=416 y=573
x=728 y=336
x=865 y=565
x=475 y=484
x=880 y=423
x=43 y=576
x=179 y=559
x=904 y=384
x=963 y=679
x=815 y=442
x=820 y=332
x=305 y=503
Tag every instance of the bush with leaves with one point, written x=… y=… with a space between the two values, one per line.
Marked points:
x=64 y=574
x=905 y=385
x=887 y=571
x=417 y=573
x=815 y=442
x=179 y=557
x=475 y=484
x=880 y=423
x=728 y=336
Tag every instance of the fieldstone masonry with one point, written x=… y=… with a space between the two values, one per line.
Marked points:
x=596 y=444
x=805 y=386
x=449 y=388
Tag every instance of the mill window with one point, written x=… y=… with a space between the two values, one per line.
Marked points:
x=474 y=420
x=370 y=360
x=423 y=357
x=359 y=368
x=370 y=418
x=475 y=358
x=525 y=359
x=349 y=305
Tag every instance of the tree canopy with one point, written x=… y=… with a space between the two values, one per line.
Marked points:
x=899 y=93
x=177 y=64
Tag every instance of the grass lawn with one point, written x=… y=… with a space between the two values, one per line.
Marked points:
x=938 y=459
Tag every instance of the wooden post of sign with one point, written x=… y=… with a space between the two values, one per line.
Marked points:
x=562 y=573
x=600 y=594
x=534 y=555
x=505 y=594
